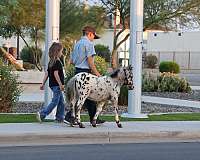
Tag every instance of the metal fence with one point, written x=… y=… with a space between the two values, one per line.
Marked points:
x=186 y=60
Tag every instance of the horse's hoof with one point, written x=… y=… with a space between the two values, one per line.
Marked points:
x=81 y=125
x=94 y=123
x=119 y=125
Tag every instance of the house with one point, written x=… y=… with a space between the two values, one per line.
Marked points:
x=181 y=47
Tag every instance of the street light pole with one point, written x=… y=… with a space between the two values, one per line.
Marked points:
x=136 y=33
x=52 y=35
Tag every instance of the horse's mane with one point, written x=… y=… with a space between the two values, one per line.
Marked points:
x=114 y=73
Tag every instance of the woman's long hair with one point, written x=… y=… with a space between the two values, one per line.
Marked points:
x=54 y=53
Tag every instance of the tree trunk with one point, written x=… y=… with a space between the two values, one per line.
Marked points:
x=114 y=51
x=114 y=59
x=18 y=46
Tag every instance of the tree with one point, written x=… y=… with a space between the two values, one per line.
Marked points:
x=22 y=18
x=27 y=18
x=74 y=15
x=103 y=51
x=113 y=7
x=166 y=13
x=170 y=13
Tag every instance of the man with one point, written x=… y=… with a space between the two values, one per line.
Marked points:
x=83 y=59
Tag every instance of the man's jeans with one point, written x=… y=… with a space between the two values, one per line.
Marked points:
x=58 y=101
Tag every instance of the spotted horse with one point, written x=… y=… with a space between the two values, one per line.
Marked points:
x=100 y=89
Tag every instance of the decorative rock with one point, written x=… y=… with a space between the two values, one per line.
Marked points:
x=30 y=107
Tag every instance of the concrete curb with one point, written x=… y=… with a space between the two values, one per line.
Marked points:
x=133 y=132
x=97 y=138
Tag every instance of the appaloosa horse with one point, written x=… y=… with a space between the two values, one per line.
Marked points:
x=100 y=89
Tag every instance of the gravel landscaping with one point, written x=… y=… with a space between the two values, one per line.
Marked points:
x=32 y=107
x=193 y=96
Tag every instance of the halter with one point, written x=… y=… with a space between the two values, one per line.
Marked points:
x=126 y=82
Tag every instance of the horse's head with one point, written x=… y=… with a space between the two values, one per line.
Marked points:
x=125 y=75
x=128 y=76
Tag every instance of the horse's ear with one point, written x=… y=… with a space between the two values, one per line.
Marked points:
x=114 y=74
x=130 y=67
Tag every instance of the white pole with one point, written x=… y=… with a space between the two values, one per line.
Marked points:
x=52 y=35
x=136 y=32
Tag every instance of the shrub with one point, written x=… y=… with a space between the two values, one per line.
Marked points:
x=28 y=56
x=169 y=66
x=149 y=83
x=69 y=73
x=101 y=65
x=9 y=88
x=166 y=82
x=151 y=61
x=123 y=97
x=103 y=51
x=99 y=62
x=169 y=82
x=27 y=65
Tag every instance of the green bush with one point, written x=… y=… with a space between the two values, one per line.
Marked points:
x=101 y=65
x=103 y=51
x=123 y=97
x=169 y=66
x=149 y=83
x=69 y=73
x=169 y=82
x=27 y=55
x=9 y=88
x=151 y=61
x=166 y=82
x=27 y=65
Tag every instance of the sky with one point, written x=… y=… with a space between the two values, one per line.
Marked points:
x=91 y=2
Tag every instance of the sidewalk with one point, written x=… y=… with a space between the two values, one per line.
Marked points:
x=20 y=134
x=48 y=133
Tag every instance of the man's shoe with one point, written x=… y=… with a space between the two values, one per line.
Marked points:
x=100 y=121
x=68 y=119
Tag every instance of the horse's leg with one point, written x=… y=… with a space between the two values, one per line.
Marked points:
x=78 y=118
x=99 y=109
x=73 y=105
x=78 y=111
x=115 y=104
x=71 y=99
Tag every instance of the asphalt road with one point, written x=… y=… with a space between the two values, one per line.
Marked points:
x=149 y=151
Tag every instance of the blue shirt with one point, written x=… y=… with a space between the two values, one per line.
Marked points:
x=83 y=49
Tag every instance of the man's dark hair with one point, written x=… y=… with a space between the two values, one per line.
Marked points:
x=85 y=33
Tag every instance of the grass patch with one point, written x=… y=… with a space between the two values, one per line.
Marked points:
x=31 y=118
x=17 y=118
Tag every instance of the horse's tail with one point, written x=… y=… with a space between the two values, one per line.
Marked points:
x=70 y=90
x=71 y=94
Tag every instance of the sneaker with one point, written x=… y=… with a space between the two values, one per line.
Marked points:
x=38 y=117
x=67 y=119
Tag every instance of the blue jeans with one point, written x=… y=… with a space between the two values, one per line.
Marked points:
x=58 y=101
